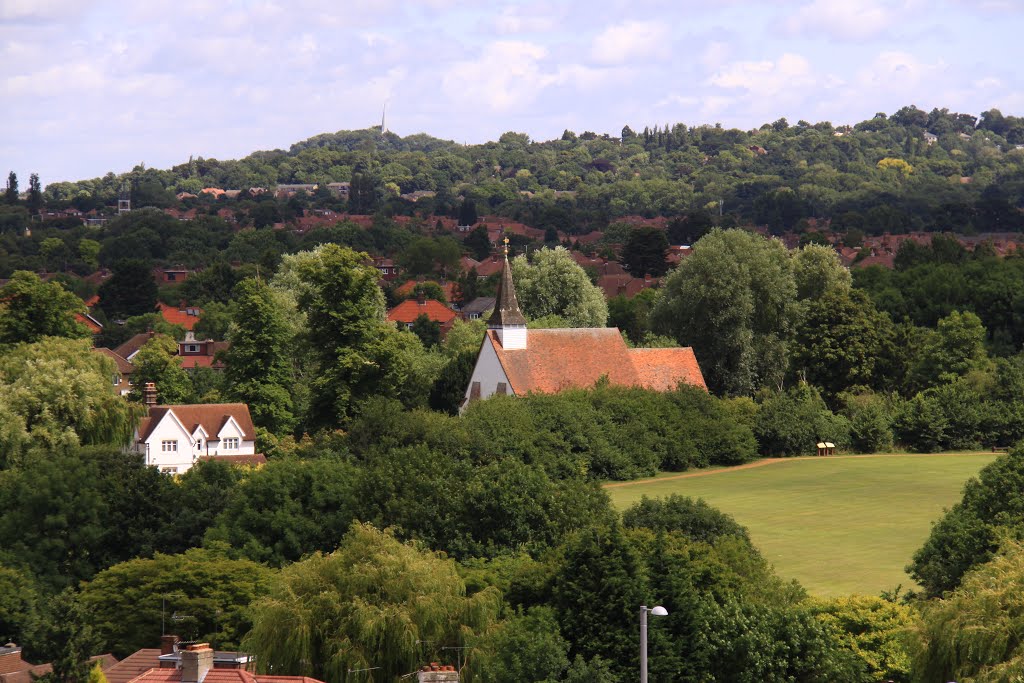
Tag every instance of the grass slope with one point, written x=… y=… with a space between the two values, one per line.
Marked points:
x=839 y=525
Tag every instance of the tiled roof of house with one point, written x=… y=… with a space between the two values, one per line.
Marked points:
x=123 y=366
x=212 y=416
x=406 y=288
x=624 y=284
x=186 y=317
x=479 y=305
x=133 y=665
x=90 y=322
x=215 y=675
x=133 y=344
x=560 y=359
x=410 y=309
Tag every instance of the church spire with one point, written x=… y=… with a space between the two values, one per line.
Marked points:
x=507 y=319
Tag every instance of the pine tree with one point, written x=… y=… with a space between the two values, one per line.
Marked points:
x=11 y=195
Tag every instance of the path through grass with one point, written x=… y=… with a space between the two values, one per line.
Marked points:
x=839 y=525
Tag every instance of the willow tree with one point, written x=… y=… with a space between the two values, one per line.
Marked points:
x=375 y=606
x=56 y=394
x=975 y=632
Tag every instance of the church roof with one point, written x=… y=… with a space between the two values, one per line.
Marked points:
x=506 y=308
x=560 y=359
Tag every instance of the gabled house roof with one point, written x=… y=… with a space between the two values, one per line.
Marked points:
x=124 y=366
x=216 y=675
x=410 y=309
x=479 y=305
x=560 y=359
x=211 y=416
x=134 y=343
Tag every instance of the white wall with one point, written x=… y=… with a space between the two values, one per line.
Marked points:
x=488 y=372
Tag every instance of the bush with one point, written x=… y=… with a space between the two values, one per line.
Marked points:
x=793 y=422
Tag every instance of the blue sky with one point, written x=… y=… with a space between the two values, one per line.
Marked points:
x=90 y=87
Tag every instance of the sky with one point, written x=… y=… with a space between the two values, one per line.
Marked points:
x=88 y=87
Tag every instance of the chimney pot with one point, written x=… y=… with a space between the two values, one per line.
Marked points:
x=168 y=644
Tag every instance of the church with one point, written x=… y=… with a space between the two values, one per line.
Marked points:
x=517 y=361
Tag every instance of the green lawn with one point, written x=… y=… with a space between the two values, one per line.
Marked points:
x=839 y=525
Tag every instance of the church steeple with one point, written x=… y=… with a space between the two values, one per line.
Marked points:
x=507 y=319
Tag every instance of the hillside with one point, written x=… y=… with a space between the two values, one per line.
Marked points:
x=912 y=170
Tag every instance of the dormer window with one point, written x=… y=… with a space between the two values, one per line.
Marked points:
x=229 y=443
x=191 y=348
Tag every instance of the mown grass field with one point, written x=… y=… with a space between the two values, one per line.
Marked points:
x=839 y=525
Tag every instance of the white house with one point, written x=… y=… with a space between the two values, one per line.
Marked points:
x=173 y=438
x=514 y=360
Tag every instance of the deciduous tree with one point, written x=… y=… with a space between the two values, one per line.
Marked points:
x=551 y=283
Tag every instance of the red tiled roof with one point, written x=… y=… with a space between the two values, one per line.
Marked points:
x=177 y=316
x=625 y=284
x=578 y=357
x=89 y=322
x=490 y=266
x=215 y=675
x=410 y=309
x=212 y=416
x=133 y=665
x=405 y=289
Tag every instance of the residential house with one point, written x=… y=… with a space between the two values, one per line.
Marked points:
x=129 y=348
x=930 y=138
x=339 y=189
x=14 y=669
x=122 y=377
x=196 y=353
x=199 y=663
x=389 y=270
x=171 y=276
x=406 y=313
x=173 y=438
x=516 y=361
x=186 y=316
x=477 y=308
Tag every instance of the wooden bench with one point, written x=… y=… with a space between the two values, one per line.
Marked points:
x=1000 y=449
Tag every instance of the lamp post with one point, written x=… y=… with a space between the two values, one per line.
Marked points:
x=657 y=611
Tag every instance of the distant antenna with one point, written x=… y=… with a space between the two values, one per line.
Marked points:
x=383 y=122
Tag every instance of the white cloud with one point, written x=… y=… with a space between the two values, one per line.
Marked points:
x=630 y=41
x=55 y=80
x=714 y=54
x=524 y=19
x=854 y=20
x=38 y=10
x=765 y=78
x=898 y=71
x=506 y=76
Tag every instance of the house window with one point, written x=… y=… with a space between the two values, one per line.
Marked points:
x=117 y=379
x=191 y=348
x=169 y=446
x=502 y=388
x=169 y=470
x=230 y=443
x=474 y=391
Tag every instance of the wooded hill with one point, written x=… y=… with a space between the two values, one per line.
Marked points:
x=912 y=170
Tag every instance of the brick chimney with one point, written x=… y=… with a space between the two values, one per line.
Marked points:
x=168 y=644
x=196 y=662
x=149 y=394
x=436 y=673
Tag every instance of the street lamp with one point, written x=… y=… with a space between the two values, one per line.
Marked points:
x=658 y=611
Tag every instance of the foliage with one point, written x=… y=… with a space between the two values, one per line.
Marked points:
x=967 y=535
x=374 y=602
x=644 y=252
x=795 y=421
x=128 y=604
x=694 y=519
x=31 y=309
x=20 y=606
x=68 y=516
x=258 y=369
x=56 y=394
x=733 y=301
x=131 y=290
x=66 y=641
x=158 y=362
x=974 y=632
x=551 y=283
x=524 y=647
x=873 y=629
